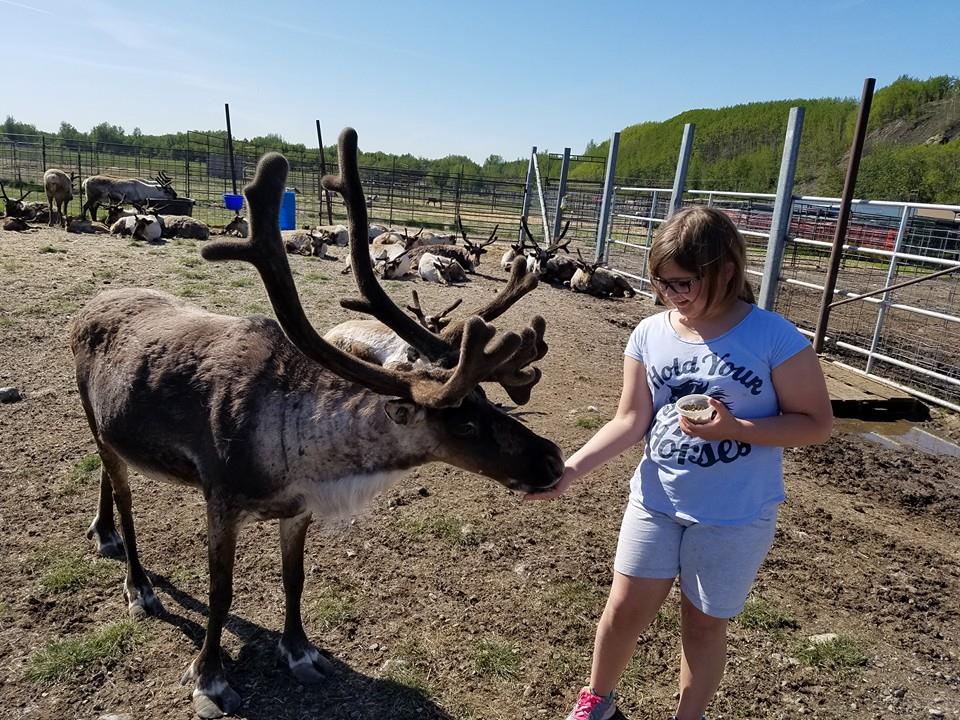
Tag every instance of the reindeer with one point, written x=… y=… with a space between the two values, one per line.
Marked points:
x=440 y=269
x=100 y=189
x=86 y=227
x=375 y=342
x=553 y=268
x=303 y=242
x=15 y=208
x=184 y=226
x=476 y=249
x=599 y=281
x=202 y=399
x=435 y=201
x=334 y=234
x=59 y=187
x=237 y=226
x=15 y=224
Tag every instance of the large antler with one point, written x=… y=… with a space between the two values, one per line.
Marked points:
x=480 y=354
x=433 y=323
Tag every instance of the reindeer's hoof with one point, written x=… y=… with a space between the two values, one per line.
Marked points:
x=142 y=601
x=212 y=698
x=109 y=543
x=307 y=664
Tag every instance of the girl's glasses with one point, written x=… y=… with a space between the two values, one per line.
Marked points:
x=680 y=287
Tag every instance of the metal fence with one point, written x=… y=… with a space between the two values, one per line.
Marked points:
x=908 y=337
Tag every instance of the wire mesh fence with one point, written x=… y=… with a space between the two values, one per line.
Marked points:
x=909 y=336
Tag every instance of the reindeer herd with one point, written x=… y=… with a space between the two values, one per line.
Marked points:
x=269 y=419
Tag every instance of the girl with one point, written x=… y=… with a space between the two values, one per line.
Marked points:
x=703 y=501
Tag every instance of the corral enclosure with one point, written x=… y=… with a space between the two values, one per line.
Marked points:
x=449 y=598
x=910 y=336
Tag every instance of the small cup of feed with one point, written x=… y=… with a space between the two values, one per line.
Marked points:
x=696 y=408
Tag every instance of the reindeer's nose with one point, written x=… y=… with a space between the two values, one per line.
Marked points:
x=554 y=467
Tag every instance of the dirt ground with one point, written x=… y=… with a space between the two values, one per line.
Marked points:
x=448 y=598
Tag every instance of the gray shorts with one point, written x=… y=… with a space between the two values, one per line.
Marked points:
x=717 y=564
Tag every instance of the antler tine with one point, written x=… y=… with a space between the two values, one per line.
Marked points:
x=493 y=235
x=463 y=233
x=417 y=310
x=515 y=376
x=24 y=194
x=453 y=306
x=555 y=246
x=4 y=193
x=263 y=248
x=526 y=231
x=433 y=323
x=521 y=282
x=373 y=301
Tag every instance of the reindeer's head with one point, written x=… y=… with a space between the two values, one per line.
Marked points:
x=476 y=249
x=443 y=396
x=165 y=184
x=13 y=208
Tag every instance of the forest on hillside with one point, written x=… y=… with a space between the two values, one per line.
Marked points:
x=912 y=150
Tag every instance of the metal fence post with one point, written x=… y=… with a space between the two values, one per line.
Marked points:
x=543 y=206
x=561 y=192
x=606 y=199
x=782 y=207
x=525 y=206
x=906 y=214
x=843 y=215
x=646 y=255
x=680 y=176
x=233 y=167
x=43 y=152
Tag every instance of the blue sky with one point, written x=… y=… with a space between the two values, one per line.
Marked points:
x=433 y=78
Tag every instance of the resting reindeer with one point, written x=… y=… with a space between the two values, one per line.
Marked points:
x=440 y=269
x=553 y=268
x=596 y=280
x=101 y=189
x=15 y=208
x=268 y=420
x=476 y=249
x=59 y=188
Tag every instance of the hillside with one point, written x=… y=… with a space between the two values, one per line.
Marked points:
x=912 y=150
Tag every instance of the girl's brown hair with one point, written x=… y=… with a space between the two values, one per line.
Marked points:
x=704 y=241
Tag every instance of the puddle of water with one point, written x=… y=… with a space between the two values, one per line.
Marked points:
x=898 y=435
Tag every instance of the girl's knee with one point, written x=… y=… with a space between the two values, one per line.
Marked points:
x=694 y=620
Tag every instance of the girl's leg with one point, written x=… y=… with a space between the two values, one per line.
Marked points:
x=631 y=607
x=703 y=642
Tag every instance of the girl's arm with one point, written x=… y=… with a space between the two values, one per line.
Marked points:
x=806 y=417
x=625 y=430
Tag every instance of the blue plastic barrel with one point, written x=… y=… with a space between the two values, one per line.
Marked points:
x=233 y=202
x=288 y=211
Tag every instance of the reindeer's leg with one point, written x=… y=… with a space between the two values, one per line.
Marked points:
x=212 y=695
x=50 y=210
x=102 y=530
x=304 y=660
x=141 y=599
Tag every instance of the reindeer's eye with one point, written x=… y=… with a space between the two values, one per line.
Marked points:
x=464 y=429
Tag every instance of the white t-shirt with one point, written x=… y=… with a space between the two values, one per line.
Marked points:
x=719 y=482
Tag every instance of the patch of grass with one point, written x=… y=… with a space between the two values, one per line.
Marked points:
x=495 y=657
x=411 y=665
x=840 y=655
x=240 y=282
x=317 y=277
x=256 y=308
x=83 y=473
x=331 y=610
x=183 y=242
x=191 y=261
x=6 y=322
x=64 y=658
x=62 y=571
x=52 y=249
x=195 y=289
x=758 y=614
x=589 y=422
x=105 y=273
x=448 y=528
x=578 y=596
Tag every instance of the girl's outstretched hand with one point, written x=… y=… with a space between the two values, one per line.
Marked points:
x=569 y=475
x=723 y=425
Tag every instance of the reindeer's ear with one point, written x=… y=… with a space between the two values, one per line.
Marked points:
x=403 y=412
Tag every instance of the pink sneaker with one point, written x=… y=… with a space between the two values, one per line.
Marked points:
x=590 y=706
